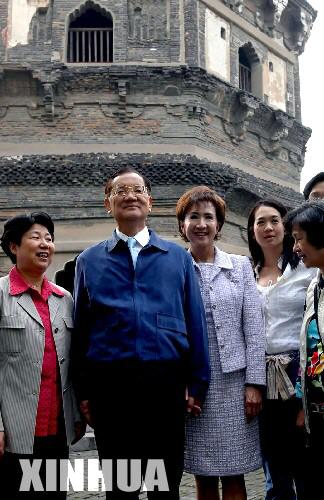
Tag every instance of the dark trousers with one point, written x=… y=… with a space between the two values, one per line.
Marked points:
x=52 y=447
x=315 y=450
x=283 y=450
x=139 y=412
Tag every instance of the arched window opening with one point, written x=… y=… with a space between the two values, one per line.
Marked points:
x=245 y=71
x=250 y=70
x=91 y=38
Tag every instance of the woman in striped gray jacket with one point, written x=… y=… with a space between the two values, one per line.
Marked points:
x=38 y=411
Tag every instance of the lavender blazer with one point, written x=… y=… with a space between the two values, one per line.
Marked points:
x=237 y=314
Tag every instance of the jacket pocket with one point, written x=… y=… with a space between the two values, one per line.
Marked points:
x=67 y=388
x=68 y=323
x=12 y=334
x=171 y=337
x=62 y=337
x=167 y=322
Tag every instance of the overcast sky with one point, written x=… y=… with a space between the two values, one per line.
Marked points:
x=312 y=94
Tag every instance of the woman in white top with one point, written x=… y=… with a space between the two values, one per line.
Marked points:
x=282 y=281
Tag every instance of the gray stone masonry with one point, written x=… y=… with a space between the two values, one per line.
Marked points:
x=155 y=98
x=161 y=105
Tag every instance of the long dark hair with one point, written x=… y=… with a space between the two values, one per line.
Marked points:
x=288 y=256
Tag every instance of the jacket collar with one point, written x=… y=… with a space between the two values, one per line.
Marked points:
x=320 y=279
x=142 y=237
x=17 y=285
x=280 y=262
x=154 y=241
x=222 y=260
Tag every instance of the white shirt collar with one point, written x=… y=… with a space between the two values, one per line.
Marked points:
x=223 y=260
x=142 y=237
x=280 y=262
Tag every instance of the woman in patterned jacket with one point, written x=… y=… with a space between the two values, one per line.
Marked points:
x=306 y=224
x=223 y=442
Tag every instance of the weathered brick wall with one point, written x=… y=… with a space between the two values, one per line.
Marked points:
x=248 y=11
x=72 y=186
x=127 y=104
x=155 y=46
x=71 y=189
x=164 y=48
x=201 y=35
x=191 y=32
x=296 y=83
x=175 y=31
x=293 y=91
x=3 y=26
x=239 y=38
x=62 y=11
x=181 y=106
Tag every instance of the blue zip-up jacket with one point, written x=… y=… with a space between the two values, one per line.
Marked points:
x=154 y=313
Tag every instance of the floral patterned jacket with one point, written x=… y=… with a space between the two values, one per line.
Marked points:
x=316 y=361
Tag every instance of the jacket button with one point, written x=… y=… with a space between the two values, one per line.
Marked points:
x=214 y=306
x=62 y=360
x=56 y=330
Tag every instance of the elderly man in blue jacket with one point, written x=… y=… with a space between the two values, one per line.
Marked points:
x=140 y=344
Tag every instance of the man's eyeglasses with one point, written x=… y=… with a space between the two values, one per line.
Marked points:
x=124 y=190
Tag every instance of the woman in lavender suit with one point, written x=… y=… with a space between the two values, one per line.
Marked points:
x=223 y=442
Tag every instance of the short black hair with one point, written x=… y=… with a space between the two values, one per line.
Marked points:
x=122 y=171
x=17 y=226
x=310 y=218
x=310 y=184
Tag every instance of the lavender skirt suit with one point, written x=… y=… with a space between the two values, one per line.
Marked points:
x=220 y=442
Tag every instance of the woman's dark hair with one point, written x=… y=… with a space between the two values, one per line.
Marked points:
x=311 y=184
x=200 y=194
x=310 y=218
x=289 y=257
x=17 y=226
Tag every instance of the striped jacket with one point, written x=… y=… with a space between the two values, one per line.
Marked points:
x=22 y=340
